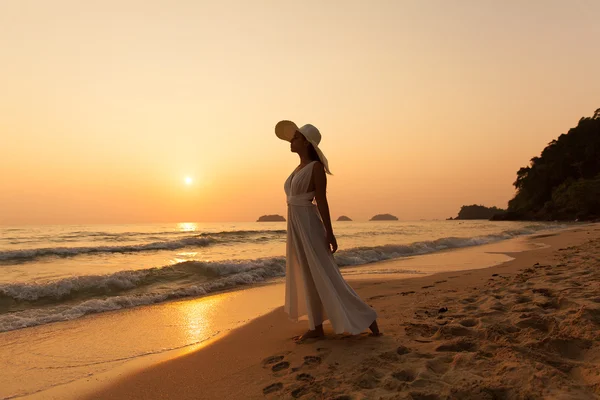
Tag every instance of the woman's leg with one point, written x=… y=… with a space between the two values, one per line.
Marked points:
x=374 y=328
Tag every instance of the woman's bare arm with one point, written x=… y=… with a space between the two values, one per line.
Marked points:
x=320 y=180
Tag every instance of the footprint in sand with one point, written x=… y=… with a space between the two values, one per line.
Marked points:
x=439 y=365
x=271 y=360
x=458 y=346
x=547 y=304
x=391 y=356
x=469 y=323
x=422 y=330
x=536 y=322
x=572 y=348
x=591 y=314
x=312 y=360
x=543 y=292
x=299 y=392
x=497 y=306
x=369 y=379
x=280 y=366
x=305 y=378
x=404 y=375
x=273 y=388
x=450 y=331
x=423 y=396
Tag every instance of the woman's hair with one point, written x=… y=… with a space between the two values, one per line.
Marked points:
x=312 y=153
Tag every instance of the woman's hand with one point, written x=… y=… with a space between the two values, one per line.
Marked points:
x=331 y=242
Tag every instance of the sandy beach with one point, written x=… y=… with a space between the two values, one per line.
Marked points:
x=525 y=329
x=186 y=187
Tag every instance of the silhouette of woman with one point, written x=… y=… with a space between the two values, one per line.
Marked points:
x=314 y=285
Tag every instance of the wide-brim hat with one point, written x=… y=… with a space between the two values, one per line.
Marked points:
x=285 y=130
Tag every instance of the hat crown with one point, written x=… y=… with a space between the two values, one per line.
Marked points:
x=311 y=133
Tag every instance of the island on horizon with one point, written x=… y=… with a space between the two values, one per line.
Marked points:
x=271 y=218
x=384 y=217
x=344 y=218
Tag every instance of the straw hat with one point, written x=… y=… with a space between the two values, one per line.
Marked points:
x=285 y=130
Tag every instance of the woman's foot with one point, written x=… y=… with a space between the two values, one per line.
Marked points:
x=374 y=329
x=311 y=334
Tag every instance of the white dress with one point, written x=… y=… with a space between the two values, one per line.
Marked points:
x=314 y=285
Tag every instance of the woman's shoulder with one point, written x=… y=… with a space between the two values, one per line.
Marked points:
x=318 y=169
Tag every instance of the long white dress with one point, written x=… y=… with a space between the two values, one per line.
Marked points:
x=314 y=285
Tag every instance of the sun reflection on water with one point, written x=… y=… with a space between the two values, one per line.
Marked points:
x=198 y=318
x=187 y=227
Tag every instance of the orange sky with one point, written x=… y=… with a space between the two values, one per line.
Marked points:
x=107 y=106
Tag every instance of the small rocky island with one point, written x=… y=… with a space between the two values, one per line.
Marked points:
x=344 y=218
x=271 y=218
x=384 y=217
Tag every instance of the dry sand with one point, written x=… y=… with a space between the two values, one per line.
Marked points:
x=526 y=329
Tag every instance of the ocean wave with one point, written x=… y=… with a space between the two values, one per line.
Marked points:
x=196 y=271
x=365 y=255
x=33 y=254
x=170 y=233
x=112 y=284
x=109 y=292
x=29 y=304
x=200 y=240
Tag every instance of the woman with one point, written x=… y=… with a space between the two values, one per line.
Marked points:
x=314 y=285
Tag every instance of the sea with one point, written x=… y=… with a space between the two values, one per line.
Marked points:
x=63 y=272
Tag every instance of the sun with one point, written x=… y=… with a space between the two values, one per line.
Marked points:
x=188 y=180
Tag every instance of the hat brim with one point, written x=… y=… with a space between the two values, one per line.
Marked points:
x=285 y=130
x=322 y=158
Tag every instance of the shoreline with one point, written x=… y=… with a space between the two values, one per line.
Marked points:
x=275 y=339
x=141 y=354
x=96 y=293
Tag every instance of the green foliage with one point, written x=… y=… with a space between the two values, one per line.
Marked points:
x=563 y=182
x=579 y=199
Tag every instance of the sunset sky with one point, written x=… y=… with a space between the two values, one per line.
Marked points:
x=107 y=106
